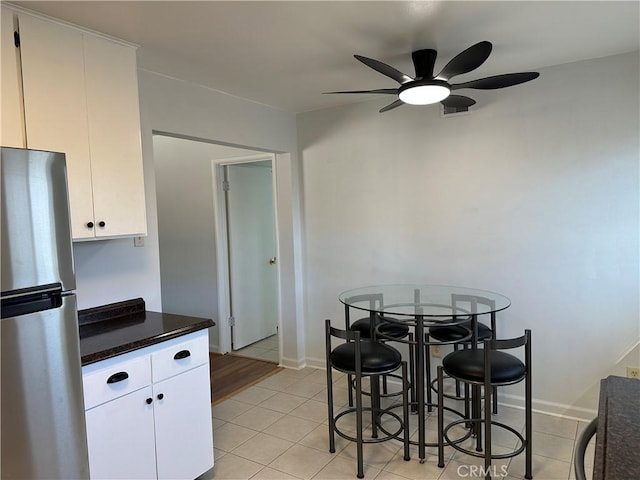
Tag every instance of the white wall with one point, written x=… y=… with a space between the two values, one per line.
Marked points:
x=534 y=195
x=186 y=231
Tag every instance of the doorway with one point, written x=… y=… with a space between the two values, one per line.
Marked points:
x=194 y=271
x=247 y=204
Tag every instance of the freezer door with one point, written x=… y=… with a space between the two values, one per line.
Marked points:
x=36 y=235
x=42 y=406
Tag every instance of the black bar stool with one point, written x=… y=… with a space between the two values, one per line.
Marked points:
x=361 y=358
x=378 y=327
x=458 y=333
x=487 y=368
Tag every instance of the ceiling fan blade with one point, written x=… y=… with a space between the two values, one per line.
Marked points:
x=466 y=61
x=498 y=81
x=391 y=106
x=381 y=90
x=384 y=69
x=423 y=62
x=458 y=101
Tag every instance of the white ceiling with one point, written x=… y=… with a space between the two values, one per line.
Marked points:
x=285 y=54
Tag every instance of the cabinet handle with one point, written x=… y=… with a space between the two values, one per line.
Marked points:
x=182 y=354
x=149 y=401
x=118 y=377
x=101 y=223
x=160 y=396
x=89 y=224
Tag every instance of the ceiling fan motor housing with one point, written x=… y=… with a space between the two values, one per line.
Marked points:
x=424 y=61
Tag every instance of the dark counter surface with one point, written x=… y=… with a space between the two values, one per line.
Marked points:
x=618 y=432
x=122 y=327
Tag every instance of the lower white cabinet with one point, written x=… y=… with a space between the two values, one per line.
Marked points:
x=148 y=412
x=183 y=446
x=121 y=439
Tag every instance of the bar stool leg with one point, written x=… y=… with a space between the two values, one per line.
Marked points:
x=476 y=408
x=487 y=431
x=332 y=437
x=427 y=359
x=359 y=450
x=350 y=389
x=467 y=405
x=455 y=349
x=528 y=420
x=440 y=418
x=412 y=374
x=405 y=410
x=375 y=403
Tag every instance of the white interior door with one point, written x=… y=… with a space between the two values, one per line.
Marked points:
x=252 y=251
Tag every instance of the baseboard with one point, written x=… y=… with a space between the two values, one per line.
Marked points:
x=549 y=408
x=296 y=364
x=316 y=363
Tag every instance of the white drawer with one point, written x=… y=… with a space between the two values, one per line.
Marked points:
x=180 y=357
x=116 y=380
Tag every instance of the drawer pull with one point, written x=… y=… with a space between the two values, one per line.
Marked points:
x=118 y=377
x=182 y=354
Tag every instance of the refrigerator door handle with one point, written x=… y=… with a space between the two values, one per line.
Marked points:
x=25 y=292
x=31 y=300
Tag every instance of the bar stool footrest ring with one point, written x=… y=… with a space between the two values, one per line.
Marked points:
x=381 y=395
x=388 y=436
x=448 y=409
x=474 y=453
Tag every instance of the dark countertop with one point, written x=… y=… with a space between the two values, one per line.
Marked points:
x=122 y=327
x=618 y=431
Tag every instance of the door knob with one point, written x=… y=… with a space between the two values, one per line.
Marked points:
x=272 y=261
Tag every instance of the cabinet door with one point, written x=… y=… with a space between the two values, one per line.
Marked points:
x=114 y=135
x=55 y=107
x=184 y=432
x=120 y=438
x=12 y=131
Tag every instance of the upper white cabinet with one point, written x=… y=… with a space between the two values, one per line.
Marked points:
x=81 y=98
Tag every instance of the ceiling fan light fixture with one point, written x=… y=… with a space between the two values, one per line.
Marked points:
x=424 y=93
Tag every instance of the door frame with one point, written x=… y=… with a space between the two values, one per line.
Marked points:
x=222 y=245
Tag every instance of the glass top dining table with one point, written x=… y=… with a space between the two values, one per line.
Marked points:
x=423 y=306
x=434 y=302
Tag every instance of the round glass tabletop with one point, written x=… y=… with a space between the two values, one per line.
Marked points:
x=437 y=301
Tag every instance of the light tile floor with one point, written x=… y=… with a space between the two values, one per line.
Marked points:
x=277 y=429
x=265 y=349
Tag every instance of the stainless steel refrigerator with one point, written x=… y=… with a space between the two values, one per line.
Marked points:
x=42 y=409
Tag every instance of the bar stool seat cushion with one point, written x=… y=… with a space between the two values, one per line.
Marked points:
x=453 y=333
x=376 y=357
x=387 y=329
x=469 y=365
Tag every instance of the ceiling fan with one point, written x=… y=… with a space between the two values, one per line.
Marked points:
x=427 y=88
